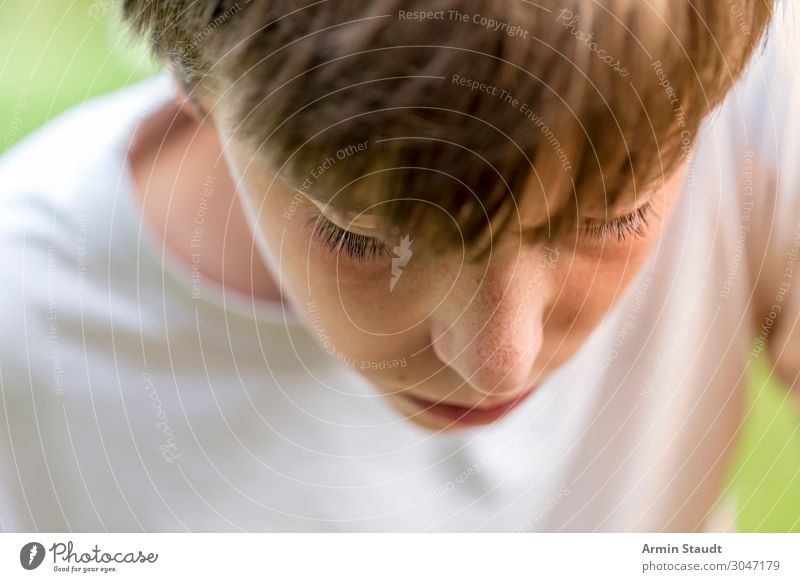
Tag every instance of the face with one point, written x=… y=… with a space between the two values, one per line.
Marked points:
x=449 y=343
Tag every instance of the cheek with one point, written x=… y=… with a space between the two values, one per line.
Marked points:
x=350 y=299
x=363 y=301
x=358 y=294
x=594 y=280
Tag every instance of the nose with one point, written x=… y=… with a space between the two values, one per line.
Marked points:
x=491 y=332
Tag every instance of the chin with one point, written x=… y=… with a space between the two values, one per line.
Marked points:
x=423 y=420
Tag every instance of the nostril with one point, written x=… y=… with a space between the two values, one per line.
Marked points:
x=499 y=385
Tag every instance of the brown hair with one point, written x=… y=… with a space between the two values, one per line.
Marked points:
x=467 y=104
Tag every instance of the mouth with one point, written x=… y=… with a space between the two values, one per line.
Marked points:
x=469 y=415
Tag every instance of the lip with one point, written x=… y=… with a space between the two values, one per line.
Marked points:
x=470 y=415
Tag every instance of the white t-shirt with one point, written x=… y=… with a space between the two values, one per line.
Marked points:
x=130 y=402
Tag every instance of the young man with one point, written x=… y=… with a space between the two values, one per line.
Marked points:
x=373 y=266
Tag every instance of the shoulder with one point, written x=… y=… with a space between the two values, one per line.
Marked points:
x=59 y=177
x=769 y=101
x=57 y=194
x=66 y=151
x=756 y=156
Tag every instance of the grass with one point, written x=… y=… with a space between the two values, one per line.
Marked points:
x=57 y=53
x=766 y=474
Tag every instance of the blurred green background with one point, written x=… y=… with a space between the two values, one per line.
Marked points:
x=58 y=53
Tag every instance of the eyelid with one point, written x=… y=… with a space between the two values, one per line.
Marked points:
x=359 y=223
x=634 y=224
x=354 y=246
x=631 y=225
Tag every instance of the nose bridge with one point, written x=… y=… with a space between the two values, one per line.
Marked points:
x=489 y=329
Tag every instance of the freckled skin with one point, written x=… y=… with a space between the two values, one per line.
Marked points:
x=471 y=334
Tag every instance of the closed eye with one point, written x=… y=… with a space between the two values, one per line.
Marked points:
x=356 y=247
x=621 y=229
x=361 y=248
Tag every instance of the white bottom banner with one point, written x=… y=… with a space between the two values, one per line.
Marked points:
x=400 y=557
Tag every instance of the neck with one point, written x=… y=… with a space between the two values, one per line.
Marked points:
x=189 y=201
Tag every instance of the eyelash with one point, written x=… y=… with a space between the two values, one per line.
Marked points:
x=633 y=225
x=362 y=248
x=356 y=247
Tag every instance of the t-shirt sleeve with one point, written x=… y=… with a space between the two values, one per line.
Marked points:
x=15 y=392
x=771 y=171
x=30 y=355
x=14 y=516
